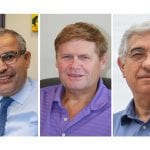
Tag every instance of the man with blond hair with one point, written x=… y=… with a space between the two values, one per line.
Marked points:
x=81 y=104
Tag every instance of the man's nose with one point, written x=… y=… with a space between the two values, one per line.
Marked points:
x=146 y=62
x=3 y=66
x=75 y=62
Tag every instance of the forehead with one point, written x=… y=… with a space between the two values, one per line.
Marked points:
x=7 y=39
x=139 y=40
x=77 y=46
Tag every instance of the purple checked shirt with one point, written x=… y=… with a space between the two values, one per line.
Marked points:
x=93 y=120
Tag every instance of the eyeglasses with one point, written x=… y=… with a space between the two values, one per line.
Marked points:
x=138 y=54
x=11 y=56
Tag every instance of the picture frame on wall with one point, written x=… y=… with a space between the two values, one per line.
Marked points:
x=34 y=22
x=2 y=20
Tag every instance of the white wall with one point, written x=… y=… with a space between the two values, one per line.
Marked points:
x=121 y=92
x=51 y=25
x=22 y=23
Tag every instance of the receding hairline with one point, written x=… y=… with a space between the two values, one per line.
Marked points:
x=19 y=38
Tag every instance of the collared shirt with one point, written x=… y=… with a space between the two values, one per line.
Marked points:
x=126 y=123
x=93 y=120
x=22 y=114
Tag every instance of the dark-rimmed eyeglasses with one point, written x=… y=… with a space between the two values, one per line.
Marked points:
x=11 y=56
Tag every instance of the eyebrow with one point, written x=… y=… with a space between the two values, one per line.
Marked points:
x=84 y=54
x=11 y=51
x=137 y=48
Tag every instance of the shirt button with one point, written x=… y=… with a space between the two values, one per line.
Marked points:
x=144 y=127
x=63 y=134
x=65 y=119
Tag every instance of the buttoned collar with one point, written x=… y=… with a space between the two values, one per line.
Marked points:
x=129 y=114
x=99 y=100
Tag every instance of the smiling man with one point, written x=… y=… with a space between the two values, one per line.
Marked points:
x=81 y=104
x=18 y=93
x=134 y=62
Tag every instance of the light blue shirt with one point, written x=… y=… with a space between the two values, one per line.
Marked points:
x=126 y=123
x=22 y=114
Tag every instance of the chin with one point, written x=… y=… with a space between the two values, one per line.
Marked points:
x=6 y=93
x=144 y=90
x=7 y=90
x=75 y=88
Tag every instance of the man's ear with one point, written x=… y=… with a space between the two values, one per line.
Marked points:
x=103 y=61
x=27 y=57
x=121 y=66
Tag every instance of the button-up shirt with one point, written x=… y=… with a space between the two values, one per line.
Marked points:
x=93 y=120
x=126 y=123
x=22 y=114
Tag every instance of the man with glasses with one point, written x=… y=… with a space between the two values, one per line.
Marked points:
x=134 y=62
x=18 y=93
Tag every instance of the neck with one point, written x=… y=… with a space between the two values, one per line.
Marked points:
x=142 y=108
x=75 y=101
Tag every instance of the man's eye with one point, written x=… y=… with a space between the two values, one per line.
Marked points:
x=137 y=52
x=137 y=55
x=67 y=57
x=84 y=57
x=8 y=57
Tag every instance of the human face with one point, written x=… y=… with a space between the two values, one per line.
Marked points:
x=137 y=73
x=12 y=76
x=79 y=65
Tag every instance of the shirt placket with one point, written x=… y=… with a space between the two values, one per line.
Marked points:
x=64 y=121
x=69 y=124
x=145 y=129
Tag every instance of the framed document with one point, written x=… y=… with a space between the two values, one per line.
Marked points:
x=2 y=20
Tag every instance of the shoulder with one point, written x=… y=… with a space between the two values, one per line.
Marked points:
x=127 y=111
x=117 y=116
x=50 y=92
x=50 y=89
x=104 y=89
x=34 y=83
x=48 y=95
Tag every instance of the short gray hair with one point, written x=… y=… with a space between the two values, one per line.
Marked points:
x=136 y=29
x=19 y=38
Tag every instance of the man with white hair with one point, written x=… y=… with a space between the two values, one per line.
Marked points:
x=134 y=63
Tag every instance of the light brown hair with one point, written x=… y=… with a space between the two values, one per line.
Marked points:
x=82 y=31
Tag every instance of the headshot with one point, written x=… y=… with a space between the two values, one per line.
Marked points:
x=79 y=104
x=134 y=64
x=18 y=91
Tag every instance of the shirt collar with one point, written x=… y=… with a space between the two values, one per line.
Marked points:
x=129 y=113
x=21 y=95
x=58 y=94
x=102 y=97
x=99 y=100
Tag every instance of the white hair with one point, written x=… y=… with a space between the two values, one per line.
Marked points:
x=136 y=29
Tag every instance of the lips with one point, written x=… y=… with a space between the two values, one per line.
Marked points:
x=144 y=76
x=5 y=78
x=75 y=75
